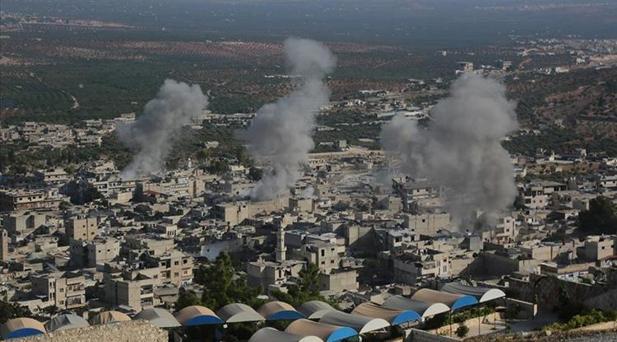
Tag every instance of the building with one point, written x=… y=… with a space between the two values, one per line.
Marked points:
x=52 y=176
x=327 y=256
x=22 y=223
x=14 y=200
x=463 y=67
x=174 y=267
x=266 y=273
x=411 y=190
x=421 y=265
x=132 y=289
x=81 y=228
x=598 y=248
x=339 y=281
x=427 y=224
x=90 y=253
x=65 y=290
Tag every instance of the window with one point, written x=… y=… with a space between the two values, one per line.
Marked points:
x=176 y=263
x=323 y=252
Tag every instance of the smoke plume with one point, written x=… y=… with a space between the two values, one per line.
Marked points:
x=155 y=131
x=280 y=133
x=460 y=149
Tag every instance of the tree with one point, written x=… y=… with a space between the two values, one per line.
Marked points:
x=186 y=298
x=309 y=280
x=255 y=174
x=12 y=310
x=307 y=288
x=601 y=218
x=222 y=286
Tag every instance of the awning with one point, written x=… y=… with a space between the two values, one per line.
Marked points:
x=277 y=310
x=359 y=323
x=197 y=315
x=315 y=309
x=66 y=321
x=107 y=317
x=326 y=332
x=272 y=335
x=160 y=318
x=482 y=294
x=425 y=310
x=22 y=327
x=238 y=312
x=394 y=316
x=453 y=301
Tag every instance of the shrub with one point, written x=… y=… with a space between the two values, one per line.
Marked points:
x=462 y=331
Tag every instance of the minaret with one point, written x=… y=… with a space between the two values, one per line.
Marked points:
x=281 y=250
x=4 y=245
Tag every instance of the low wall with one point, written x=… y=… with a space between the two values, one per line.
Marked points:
x=446 y=329
x=416 y=335
x=129 y=331
x=521 y=309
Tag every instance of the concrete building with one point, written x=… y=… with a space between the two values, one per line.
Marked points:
x=65 y=290
x=326 y=256
x=52 y=176
x=84 y=228
x=421 y=265
x=14 y=200
x=175 y=267
x=90 y=253
x=598 y=248
x=427 y=224
x=21 y=223
x=339 y=281
x=266 y=273
x=132 y=289
x=235 y=213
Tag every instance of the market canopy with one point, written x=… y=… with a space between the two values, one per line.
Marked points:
x=324 y=331
x=277 y=310
x=453 y=301
x=482 y=294
x=238 y=312
x=107 y=317
x=197 y=315
x=66 y=321
x=160 y=318
x=359 y=323
x=425 y=310
x=394 y=316
x=21 y=327
x=315 y=309
x=272 y=335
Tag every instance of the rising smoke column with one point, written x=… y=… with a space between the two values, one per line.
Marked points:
x=460 y=149
x=280 y=133
x=155 y=131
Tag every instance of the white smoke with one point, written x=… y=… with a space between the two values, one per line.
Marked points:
x=461 y=147
x=155 y=131
x=280 y=133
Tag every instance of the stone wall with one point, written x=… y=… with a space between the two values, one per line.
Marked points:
x=129 y=331
x=416 y=335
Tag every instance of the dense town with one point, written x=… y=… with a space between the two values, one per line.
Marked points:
x=89 y=241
